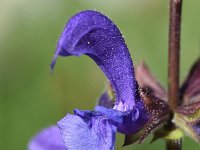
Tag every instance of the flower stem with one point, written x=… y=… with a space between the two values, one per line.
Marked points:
x=173 y=63
x=174 y=50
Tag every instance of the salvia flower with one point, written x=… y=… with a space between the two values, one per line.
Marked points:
x=95 y=35
x=134 y=108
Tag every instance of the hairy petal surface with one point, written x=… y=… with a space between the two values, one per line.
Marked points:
x=159 y=113
x=87 y=130
x=47 y=139
x=91 y=33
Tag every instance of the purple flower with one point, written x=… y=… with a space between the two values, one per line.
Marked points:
x=95 y=35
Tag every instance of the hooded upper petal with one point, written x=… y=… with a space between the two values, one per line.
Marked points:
x=87 y=130
x=47 y=139
x=93 y=34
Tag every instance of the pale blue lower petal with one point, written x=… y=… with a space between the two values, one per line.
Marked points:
x=89 y=131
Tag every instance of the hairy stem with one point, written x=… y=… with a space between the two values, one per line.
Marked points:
x=173 y=63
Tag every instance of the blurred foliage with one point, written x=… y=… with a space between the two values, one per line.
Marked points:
x=31 y=98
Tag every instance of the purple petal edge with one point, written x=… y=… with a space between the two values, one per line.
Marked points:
x=48 y=139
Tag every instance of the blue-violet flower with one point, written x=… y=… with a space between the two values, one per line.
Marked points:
x=127 y=108
x=95 y=35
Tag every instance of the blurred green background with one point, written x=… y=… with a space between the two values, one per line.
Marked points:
x=31 y=98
